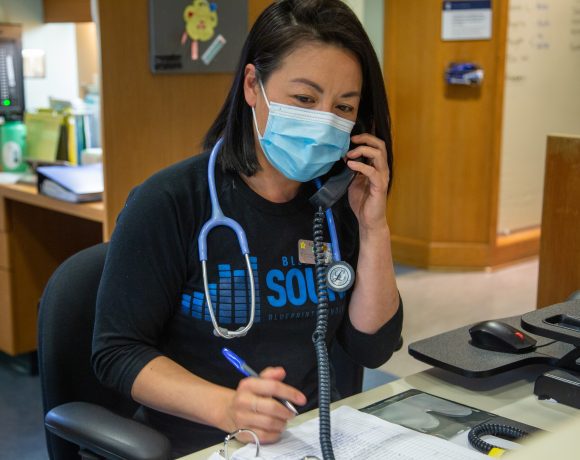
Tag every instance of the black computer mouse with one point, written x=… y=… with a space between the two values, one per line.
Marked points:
x=500 y=336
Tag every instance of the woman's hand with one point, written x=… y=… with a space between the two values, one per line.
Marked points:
x=367 y=194
x=253 y=406
x=375 y=297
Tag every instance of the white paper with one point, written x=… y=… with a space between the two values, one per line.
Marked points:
x=473 y=22
x=10 y=178
x=217 y=456
x=357 y=435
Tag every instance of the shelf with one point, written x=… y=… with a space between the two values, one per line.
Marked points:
x=28 y=194
x=37 y=233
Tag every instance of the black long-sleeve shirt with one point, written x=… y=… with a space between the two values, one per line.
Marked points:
x=151 y=298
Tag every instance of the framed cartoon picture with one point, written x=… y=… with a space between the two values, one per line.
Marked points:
x=196 y=36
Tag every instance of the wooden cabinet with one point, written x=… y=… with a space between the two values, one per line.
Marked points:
x=67 y=10
x=559 y=274
x=37 y=233
x=443 y=209
x=6 y=314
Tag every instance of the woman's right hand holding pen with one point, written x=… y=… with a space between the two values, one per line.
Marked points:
x=253 y=405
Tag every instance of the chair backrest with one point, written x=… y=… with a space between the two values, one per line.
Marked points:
x=65 y=331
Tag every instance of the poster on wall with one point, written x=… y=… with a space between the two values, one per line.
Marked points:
x=466 y=20
x=196 y=36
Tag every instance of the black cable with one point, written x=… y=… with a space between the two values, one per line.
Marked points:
x=319 y=336
x=546 y=344
x=492 y=429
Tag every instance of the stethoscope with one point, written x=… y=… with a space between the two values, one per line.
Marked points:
x=335 y=276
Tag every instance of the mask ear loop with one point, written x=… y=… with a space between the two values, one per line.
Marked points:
x=260 y=136
x=264 y=93
x=256 y=123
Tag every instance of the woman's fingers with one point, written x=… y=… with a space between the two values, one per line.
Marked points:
x=276 y=373
x=371 y=141
x=257 y=406
x=378 y=179
x=263 y=414
x=268 y=386
x=375 y=168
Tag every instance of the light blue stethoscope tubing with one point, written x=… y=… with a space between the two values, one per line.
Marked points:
x=218 y=219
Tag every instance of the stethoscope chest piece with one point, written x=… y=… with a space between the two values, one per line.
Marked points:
x=340 y=276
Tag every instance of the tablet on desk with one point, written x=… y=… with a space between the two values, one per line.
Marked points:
x=439 y=417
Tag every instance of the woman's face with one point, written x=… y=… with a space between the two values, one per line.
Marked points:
x=314 y=76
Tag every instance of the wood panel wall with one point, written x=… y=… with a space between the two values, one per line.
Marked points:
x=443 y=209
x=149 y=121
x=67 y=10
x=444 y=203
x=559 y=274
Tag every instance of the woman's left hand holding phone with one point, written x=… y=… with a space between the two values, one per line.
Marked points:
x=375 y=297
x=368 y=192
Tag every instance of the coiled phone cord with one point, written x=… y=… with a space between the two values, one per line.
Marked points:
x=319 y=336
x=492 y=429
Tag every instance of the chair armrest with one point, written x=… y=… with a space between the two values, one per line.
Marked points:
x=105 y=433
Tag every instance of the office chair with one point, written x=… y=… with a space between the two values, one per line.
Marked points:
x=81 y=416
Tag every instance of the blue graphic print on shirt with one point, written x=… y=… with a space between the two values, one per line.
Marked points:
x=230 y=296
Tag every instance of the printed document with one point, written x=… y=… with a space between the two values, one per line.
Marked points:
x=356 y=435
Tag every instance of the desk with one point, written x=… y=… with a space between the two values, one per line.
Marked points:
x=509 y=395
x=37 y=233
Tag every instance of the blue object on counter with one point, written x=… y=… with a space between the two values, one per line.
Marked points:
x=464 y=73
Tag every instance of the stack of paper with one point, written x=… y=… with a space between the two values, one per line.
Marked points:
x=356 y=435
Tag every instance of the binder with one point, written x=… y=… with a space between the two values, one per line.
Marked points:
x=75 y=184
x=72 y=137
x=43 y=132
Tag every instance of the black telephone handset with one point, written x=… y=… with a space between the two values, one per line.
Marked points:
x=337 y=185
x=333 y=189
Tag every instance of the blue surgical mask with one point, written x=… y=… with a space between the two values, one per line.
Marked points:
x=303 y=143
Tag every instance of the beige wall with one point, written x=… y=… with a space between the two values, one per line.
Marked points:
x=87 y=55
x=542 y=95
x=21 y=11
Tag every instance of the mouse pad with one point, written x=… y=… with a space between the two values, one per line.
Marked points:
x=452 y=351
x=437 y=416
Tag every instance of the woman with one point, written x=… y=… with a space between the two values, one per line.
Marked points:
x=306 y=76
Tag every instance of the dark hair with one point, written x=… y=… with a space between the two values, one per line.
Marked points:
x=281 y=28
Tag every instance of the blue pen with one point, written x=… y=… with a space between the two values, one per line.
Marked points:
x=241 y=366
